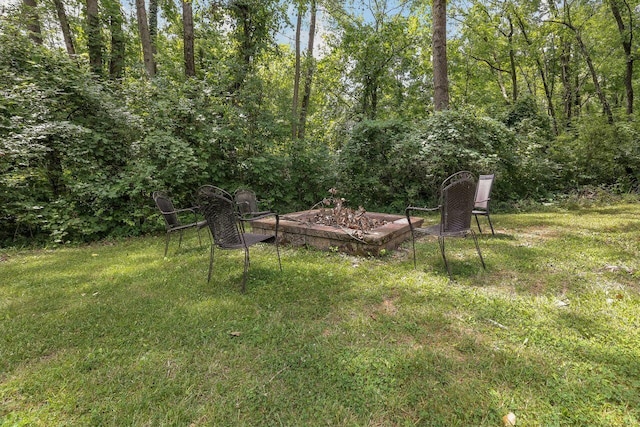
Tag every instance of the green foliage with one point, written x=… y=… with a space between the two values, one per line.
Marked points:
x=599 y=153
x=65 y=141
x=80 y=157
x=386 y=165
x=535 y=174
x=372 y=164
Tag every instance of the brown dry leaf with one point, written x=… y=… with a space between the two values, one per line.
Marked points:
x=235 y=334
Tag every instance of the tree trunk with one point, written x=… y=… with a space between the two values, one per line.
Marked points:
x=116 y=59
x=296 y=80
x=309 y=70
x=543 y=75
x=567 y=83
x=512 y=62
x=594 y=76
x=153 y=30
x=439 y=43
x=64 y=27
x=94 y=37
x=187 y=22
x=33 y=21
x=626 y=36
x=145 y=38
x=566 y=21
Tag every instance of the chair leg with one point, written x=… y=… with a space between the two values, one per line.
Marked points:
x=246 y=268
x=180 y=242
x=275 y=240
x=413 y=239
x=490 y=224
x=278 y=252
x=478 y=222
x=475 y=239
x=210 y=264
x=413 y=244
x=444 y=257
x=166 y=244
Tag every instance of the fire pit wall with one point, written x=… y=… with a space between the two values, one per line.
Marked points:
x=297 y=229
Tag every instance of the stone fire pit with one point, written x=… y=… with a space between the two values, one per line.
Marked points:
x=298 y=229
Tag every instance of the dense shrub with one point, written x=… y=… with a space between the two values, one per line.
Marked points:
x=534 y=174
x=65 y=142
x=386 y=165
x=373 y=162
x=600 y=154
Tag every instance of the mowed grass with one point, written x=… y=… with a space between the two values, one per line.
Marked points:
x=114 y=334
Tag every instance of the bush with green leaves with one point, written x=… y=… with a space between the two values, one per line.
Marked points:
x=535 y=174
x=601 y=154
x=65 y=140
x=386 y=165
x=372 y=164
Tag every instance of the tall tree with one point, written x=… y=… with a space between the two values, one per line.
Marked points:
x=439 y=46
x=626 y=38
x=187 y=24
x=577 y=32
x=536 y=53
x=117 y=55
x=153 y=31
x=145 y=38
x=64 y=27
x=94 y=37
x=296 y=77
x=33 y=20
x=309 y=69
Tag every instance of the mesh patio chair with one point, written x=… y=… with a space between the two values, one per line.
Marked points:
x=172 y=217
x=224 y=221
x=483 y=197
x=456 y=203
x=247 y=204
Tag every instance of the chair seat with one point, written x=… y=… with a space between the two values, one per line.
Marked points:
x=434 y=230
x=249 y=239
x=198 y=224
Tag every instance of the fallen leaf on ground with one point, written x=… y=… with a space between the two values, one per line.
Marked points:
x=509 y=419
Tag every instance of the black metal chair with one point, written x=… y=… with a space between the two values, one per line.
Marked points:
x=482 y=199
x=456 y=203
x=172 y=216
x=224 y=221
x=247 y=204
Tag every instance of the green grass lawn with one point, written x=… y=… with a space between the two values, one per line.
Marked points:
x=115 y=334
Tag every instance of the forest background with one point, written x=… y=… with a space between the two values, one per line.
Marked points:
x=103 y=102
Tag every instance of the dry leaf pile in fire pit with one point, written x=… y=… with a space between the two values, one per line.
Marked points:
x=334 y=213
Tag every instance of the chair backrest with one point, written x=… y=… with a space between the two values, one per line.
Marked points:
x=212 y=189
x=483 y=191
x=220 y=212
x=456 y=200
x=165 y=205
x=246 y=201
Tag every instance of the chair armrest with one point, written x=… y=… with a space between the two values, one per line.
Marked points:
x=261 y=215
x=176 y=211
x=266 y=215
x=416 y=208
